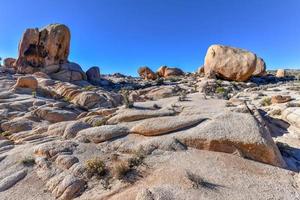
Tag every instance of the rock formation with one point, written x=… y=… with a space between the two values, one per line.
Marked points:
x=146 y=73
x=165 y=71
x=230 y=63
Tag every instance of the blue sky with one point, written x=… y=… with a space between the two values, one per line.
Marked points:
x=121 y=35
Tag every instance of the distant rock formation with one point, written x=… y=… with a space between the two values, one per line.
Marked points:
x=146 y=73
x=165 y=71
x=47 y=50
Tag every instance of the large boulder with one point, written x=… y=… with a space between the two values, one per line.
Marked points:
x=93 y=74
x=229 y=63
x=69 y=72
x=280 y=73
x=26 y=82
x=42 y=47
x=260 y=69
x=165 y=71
x=146 y=73
x=9 y=62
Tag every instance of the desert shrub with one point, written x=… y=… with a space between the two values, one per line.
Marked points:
x=5 y=133
x=120 y=169
x=95 y=166
x=28 y=161
x=266 y=101
x=127 y=102
x=159 y=81
x=220 y=90
x=67 y=99
x=89 y=88
x=183 y=96
x=137 y=158
x=33 y=94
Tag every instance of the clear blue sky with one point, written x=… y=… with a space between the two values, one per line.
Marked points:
x=121 y=35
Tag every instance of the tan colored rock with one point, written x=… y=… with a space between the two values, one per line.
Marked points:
x=234 y=131
x=102 y=133
x=9 y=62
x=146 y=73
x=280 y=73
x=280 y=99
x=54 y=115
x=41 y=75
x=260 y=69
x=47 y=46
x=200 y=70
x=26 y=82
x=163 y=125
x=53 y=148
x=69 y=72
x=194 y=175
x=292 y=116
x=229 y=63
x=165 y=71
x=129 y=115
x=66 y=161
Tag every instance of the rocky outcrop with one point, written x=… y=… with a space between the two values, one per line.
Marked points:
x=69 y=72
x=280 y=73
x=26 y=82
x=93 y=74
x=260 y=69
x=146 y=73
x=47 y=46
x=102 y=133
x=165 y=71
x=9 y=62
x=47 y=50
x=280 y=99
x=163 y=125
x=229 y=63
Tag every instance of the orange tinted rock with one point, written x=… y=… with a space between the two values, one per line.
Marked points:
x=280 y=99
x=147 y=73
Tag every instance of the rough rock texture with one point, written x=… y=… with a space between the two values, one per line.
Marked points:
x=197 y=175
x=9 y=62
x=280 y=73
x=260 y=69
x=47 y=46
x=11 y=180
x=146 y=73
x=69 y=72
x=26 y=82
x=165 y=71
x=229 y=63
x=93 y=74
x=280 y=99
x=163 y=125
x=102 y=133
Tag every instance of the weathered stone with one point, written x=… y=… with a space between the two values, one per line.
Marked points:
x=66 y=161
x=52 y=148
x=53 y=115
x=93 y=74
x=165 y=71
x=73 y=128
x=280 y=99
x=102 y=133
x=9 y=62
x=129 y=115
x=163 y=125
x=229 y=63
x=146 y=73
x=12 y=179
x=47 y=46
x=280 y=73
x=26 y=82
x=260 y=69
